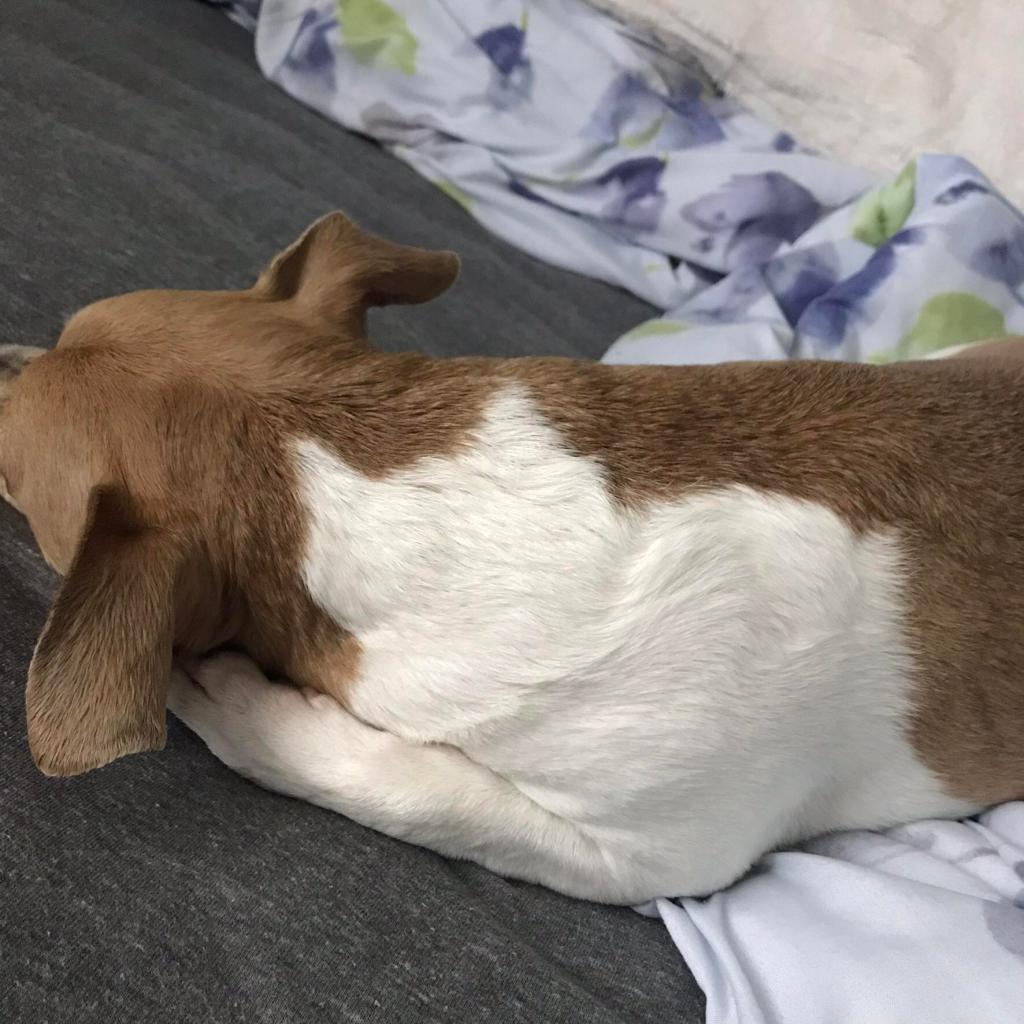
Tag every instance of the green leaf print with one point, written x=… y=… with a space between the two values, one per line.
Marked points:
x=453 y=191
x=641 y=138
x=654 y=327
x=883 y=211
x=376 y=33
x=950 y=318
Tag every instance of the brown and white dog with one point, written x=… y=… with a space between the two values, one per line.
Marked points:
x=617 y=630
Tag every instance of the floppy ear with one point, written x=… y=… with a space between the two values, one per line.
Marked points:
x=97 y=685
x=335 y=271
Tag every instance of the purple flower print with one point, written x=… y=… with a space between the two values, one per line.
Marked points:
x=827 y=318
x=311 y=51
x=756 y=213
x=798 y=278
x=634 y=198
x=511 y=72
x=631 y=113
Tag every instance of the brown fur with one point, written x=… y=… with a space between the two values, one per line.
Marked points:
x=932 y=451
x=185 y=403
x=1011 y=349
x=108 y=640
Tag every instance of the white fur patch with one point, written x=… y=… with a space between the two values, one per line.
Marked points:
x=683 y=688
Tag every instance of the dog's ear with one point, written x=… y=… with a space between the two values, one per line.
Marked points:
x=335 y=271
x=97 y=685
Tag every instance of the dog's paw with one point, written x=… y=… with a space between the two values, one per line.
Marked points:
x=275 y=734
x=226 y=679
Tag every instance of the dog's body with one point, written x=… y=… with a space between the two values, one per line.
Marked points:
x=616 y=630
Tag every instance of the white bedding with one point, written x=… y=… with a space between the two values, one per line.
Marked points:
x=921 y=924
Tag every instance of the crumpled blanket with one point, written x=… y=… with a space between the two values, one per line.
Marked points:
x=932 y=258
x=560 y=131
x=921 y=924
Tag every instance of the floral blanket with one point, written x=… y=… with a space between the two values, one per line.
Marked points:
x=591 y=148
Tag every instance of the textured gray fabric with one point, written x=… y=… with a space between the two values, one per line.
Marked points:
x=140 y=147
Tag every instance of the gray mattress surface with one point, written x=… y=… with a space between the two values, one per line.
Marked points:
x=140 y=147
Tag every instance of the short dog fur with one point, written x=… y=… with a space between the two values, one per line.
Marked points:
x=616 y=630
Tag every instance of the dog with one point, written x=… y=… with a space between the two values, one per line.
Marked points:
x=614 y=630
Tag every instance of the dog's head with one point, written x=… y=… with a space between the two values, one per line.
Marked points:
x=145 y=452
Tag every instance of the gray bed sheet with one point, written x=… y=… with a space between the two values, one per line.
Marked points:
x=139 y=147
